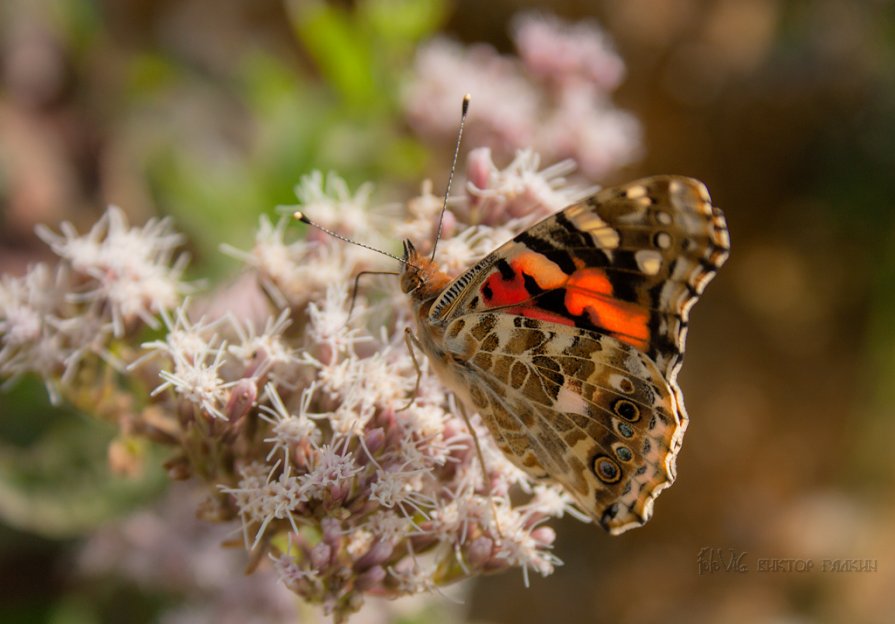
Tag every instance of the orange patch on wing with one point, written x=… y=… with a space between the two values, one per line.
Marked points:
x=545 y=272
x=590 y=291
x=504 y=292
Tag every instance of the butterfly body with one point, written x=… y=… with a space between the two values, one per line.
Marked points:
x=567 y=339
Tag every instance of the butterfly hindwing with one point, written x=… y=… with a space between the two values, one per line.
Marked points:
x=586 y=410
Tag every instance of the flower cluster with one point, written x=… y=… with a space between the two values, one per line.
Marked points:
x=555 y=97
x=294 y=399
x=108 y=282
x=369 y=483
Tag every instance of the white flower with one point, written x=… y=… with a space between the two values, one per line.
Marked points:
x=398 y=487
x=423 y=420
x=521 y=189
x=555 y=99
x=132 y=267
x=273 y=258
x=185 y=339
x=452 y=518
x=295 y=273
x=413 y=577
x=552 y=500
x=462 y=251
x=388 y=526
x=254 y=507
x=289 y=429
x=387 y=377
x=330 y=203
x=422 y=215
x=260 y=500
x=27 y=300
x=293 y=575
x=427 y=440
x=84 y=334
x=267 y=352
x=519 y=548
x=26 y=303
x=328 y=321
x=42 y=332
x=331 y=468
x=359 y=542
x=197 y=380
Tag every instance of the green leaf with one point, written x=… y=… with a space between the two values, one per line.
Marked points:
x=60 y=485
x=340 y=49
x=404 y=21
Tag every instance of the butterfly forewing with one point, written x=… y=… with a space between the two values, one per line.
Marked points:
x=628 y=261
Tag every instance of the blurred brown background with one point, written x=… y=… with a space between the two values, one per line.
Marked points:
x=786 y=109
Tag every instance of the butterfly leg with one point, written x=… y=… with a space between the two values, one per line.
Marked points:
x=357 y=284
x=412 y=340
x=481 y=456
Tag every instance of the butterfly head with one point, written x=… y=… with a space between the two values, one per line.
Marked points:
x=420 y=276
x=412 y=268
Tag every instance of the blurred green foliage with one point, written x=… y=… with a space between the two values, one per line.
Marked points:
x=339 y=110
x=54 y=475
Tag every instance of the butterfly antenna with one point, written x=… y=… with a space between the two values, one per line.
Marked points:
x=447 y=191
x=298 y=214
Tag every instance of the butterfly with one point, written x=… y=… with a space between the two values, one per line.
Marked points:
x=568 y=339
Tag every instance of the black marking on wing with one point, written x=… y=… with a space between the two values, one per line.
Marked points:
x=531 y=285
x=582 y=243
x=560 y=256
x=627 y=282
x=506 y=271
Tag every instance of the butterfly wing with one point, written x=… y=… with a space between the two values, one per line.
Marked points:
x=628 y=262
x=568 y=340
x=586 y=410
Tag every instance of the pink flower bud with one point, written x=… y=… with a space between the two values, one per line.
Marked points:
x=544 y=535
x=448 y=225
x=374 y=440
x=371 y=579
x=321 y=555
x=332 y=532
x=378 y=554
x=480 y=551
x=242 y=398
x=478 y=170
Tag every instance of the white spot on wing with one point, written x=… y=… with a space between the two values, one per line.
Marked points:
x=636 y=192
x=569 y=402
x=618 y=382
x=649 y=261
x=606 y=236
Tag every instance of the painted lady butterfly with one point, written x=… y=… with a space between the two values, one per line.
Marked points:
x=568 y=339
